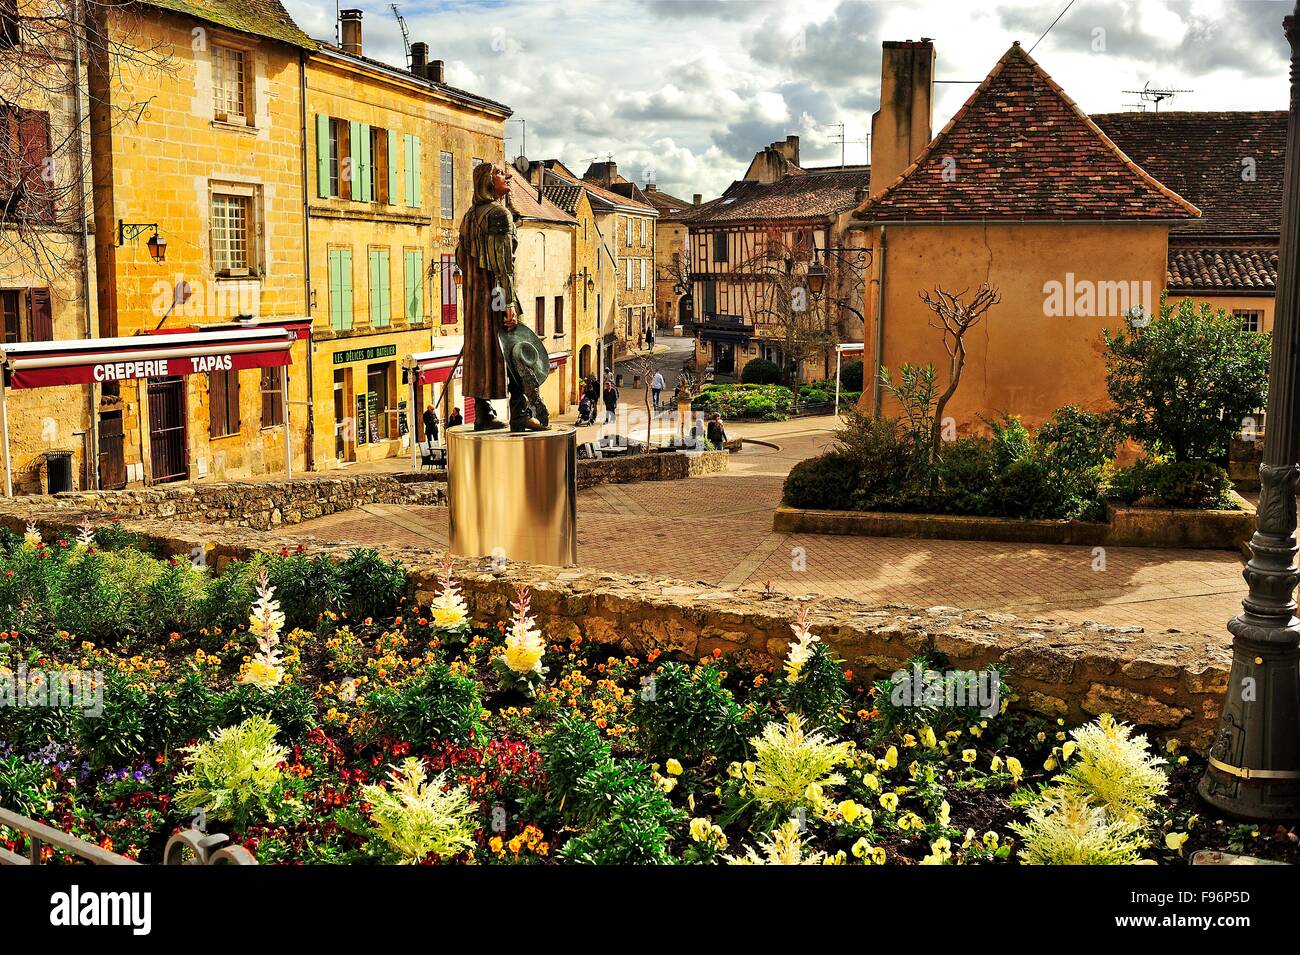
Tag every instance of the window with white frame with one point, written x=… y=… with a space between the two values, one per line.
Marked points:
x=1252 y=319
x=643 y=271
x=229 y=84
x=629 y=229
x=643 y=231
x=232 y=234
x=627 y=273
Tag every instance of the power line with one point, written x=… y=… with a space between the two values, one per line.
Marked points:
x=1052 y=24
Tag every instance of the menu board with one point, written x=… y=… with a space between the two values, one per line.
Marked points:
x=372 y=415
x=363 y=429
x=403 y=426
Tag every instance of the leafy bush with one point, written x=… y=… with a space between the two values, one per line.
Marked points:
x=686 y=713
x=569 y=751
x=760 y=371
x=234 y=775
x=790 y=762
x=437 y=705
x=371 y=585
x=745 y=401
x=810 y=394
x=289 y=706
x=966 y=469
x=1072 y=831
x=416 y=817
x=821 y=690
x=851 y=377
x=1194 y=484
x=824 y=482
x=1183 y=384
x=306 y=587
x=1114 y=769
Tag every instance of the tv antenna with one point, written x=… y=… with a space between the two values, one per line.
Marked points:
x=406 y=36
x=1136 y=107
x=1156 y=95
x=843 y=141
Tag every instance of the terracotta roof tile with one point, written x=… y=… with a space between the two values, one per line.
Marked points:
x=1021 y=149
x=564 y=194
x=1222 y=269
x=1203 y=156
x=814 y=194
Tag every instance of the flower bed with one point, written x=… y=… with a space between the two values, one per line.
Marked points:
x=304 y=708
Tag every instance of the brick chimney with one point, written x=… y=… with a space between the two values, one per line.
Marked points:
x=790 y=150
x=437 y=71
x=697 y=199
x=350 y=23
x=901 y=128
x=420 y=59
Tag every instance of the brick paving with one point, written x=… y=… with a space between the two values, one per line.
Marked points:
x=718 y=530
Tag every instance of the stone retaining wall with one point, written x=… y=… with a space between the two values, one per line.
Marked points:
x=1173 y=685
x=660 y=466
x=257 y=504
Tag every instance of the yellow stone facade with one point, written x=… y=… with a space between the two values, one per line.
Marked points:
x=585 y=298
x=380 y=266
x=634 y=238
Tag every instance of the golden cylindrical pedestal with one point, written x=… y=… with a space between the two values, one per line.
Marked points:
x=513 y=495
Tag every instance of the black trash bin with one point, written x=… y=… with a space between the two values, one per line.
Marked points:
x=58 y=469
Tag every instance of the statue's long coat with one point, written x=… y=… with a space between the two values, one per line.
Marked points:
x=486 y=257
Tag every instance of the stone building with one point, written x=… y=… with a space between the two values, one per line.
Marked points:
x=748 y=251
x=632 y=219
x=672 y=264
x=588 y=292
x=391 y=157
x=47 y=268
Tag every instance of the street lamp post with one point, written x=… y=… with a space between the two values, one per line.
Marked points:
x=1254 y=766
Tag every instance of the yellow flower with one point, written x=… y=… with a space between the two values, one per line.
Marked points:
x=913 y=768
x=1049 y=764
x=263 y=675
x=448 y=618
x=850 y=810
x=1175 y=840
x=968 y=755
x=523 y=653
x=1068 y=750
x=674 y=767
x=891 y=757
x=877 y=854
x=889 y=802
x=861 y=848
x=996 y=763
x=945 y=813
x=734 y=770
x=1015 y=769
x=976 y=731
x=871 y=781
x=928 y=737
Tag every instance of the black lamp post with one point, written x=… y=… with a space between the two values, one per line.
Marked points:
x=1254 y=769
x=130 y=231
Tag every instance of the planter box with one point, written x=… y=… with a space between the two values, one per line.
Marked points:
x=1124 y=527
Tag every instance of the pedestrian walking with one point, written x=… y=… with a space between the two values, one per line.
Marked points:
x=716 y=434
x=610 y=396
x=650 y=337
x=657 y=388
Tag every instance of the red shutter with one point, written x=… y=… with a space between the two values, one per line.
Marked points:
x=448 y=284
x=40 y=314
x=33 y=158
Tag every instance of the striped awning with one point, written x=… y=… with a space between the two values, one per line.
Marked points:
x=86 y=361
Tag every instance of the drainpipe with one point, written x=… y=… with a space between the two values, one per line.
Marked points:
x=309 y=448
x=880 y=324
x=78 y=118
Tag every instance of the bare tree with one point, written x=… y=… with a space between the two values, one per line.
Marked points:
x=644 y=365
x=47 y=50
x=954 y=318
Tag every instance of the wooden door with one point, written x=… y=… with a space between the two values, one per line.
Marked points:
x=167 y=429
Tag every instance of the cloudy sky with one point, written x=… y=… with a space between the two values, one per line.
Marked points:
x=685 y=91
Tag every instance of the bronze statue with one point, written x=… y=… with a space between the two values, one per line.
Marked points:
x=501 y=355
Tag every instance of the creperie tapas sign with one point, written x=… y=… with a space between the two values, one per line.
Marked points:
x=143 y=368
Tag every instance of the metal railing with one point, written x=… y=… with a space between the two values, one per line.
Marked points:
x=189 y=847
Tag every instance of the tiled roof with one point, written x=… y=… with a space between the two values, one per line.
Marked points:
x=1021 y=149
x=563 y=193
x=266 y=18
x=1210 y=159
x=601 y=196
x=1228 y=269
x=814 y=194
x=524 y=201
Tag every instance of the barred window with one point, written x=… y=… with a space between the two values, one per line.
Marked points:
x=1251 y=318
x=231 y=220
x=228 y=88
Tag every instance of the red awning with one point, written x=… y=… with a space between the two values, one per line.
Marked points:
x=84 y=361
x=434 y=367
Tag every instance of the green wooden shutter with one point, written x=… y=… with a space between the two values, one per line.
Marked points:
x=367 y=192
x=354 y=139
x=385 y=290
x=414 y=287
x=392 y=167
x=322 y=155
x=380 y=290
x=374 y=287
x=345 y=287
x=336 y=290
x=413 y=173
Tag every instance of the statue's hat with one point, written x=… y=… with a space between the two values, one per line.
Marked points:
x=525 y=354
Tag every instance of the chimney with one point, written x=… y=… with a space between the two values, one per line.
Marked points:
x=419 y=59
x=791 y=151
x=698 y=197
x=651 y=187
x=901 y=128
x=436 y=71
x=350 y=23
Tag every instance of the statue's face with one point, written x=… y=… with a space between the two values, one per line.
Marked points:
x=500 y=183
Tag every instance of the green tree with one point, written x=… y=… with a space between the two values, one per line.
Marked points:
x=1183 y=385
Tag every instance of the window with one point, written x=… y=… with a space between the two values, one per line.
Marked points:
x=340 y=263
x=643 y=271
x=26 y=194
x=228 y=85
x=446 y=181
x=1252 y=319
x=719 y=247
x=629 y=323
x=413 y=285
x=10 y=34
x=627 y=273
x=539 y=313
x=383 y=164
x=231 y=222
x=333 y=157
x=381 y=313
x=643 y=231
x=223 y=403
x=379 y=380
x=628 y=220
x=272 y=397
x=559 y=315
x=27 y=315
x=446 y=279
x=411 y=166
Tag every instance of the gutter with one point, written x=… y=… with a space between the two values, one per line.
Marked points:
x=879 y=259
x=309 y=450
x=91 y=478
x=989 y=221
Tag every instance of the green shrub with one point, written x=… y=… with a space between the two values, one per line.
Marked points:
x=234 y=775
x=814 y=396
x=632 y=819
x=416 y=817
x=112 y=536
x=745 y=401
x=569 y=751
x=306 y=587
x=851 y=376
x=1191 y=484
x=229 y=600
x=1026 y=488
x=289 y=706
x=966 y=471
x=821 y=691
x=685 y=713
x=760 y=371
x=437 y=705
x=372 y=586
x=825 y=482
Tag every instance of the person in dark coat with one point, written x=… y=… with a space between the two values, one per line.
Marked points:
x=454 y=420
x=715 y=433
x=610 y=396
x=430 y=427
